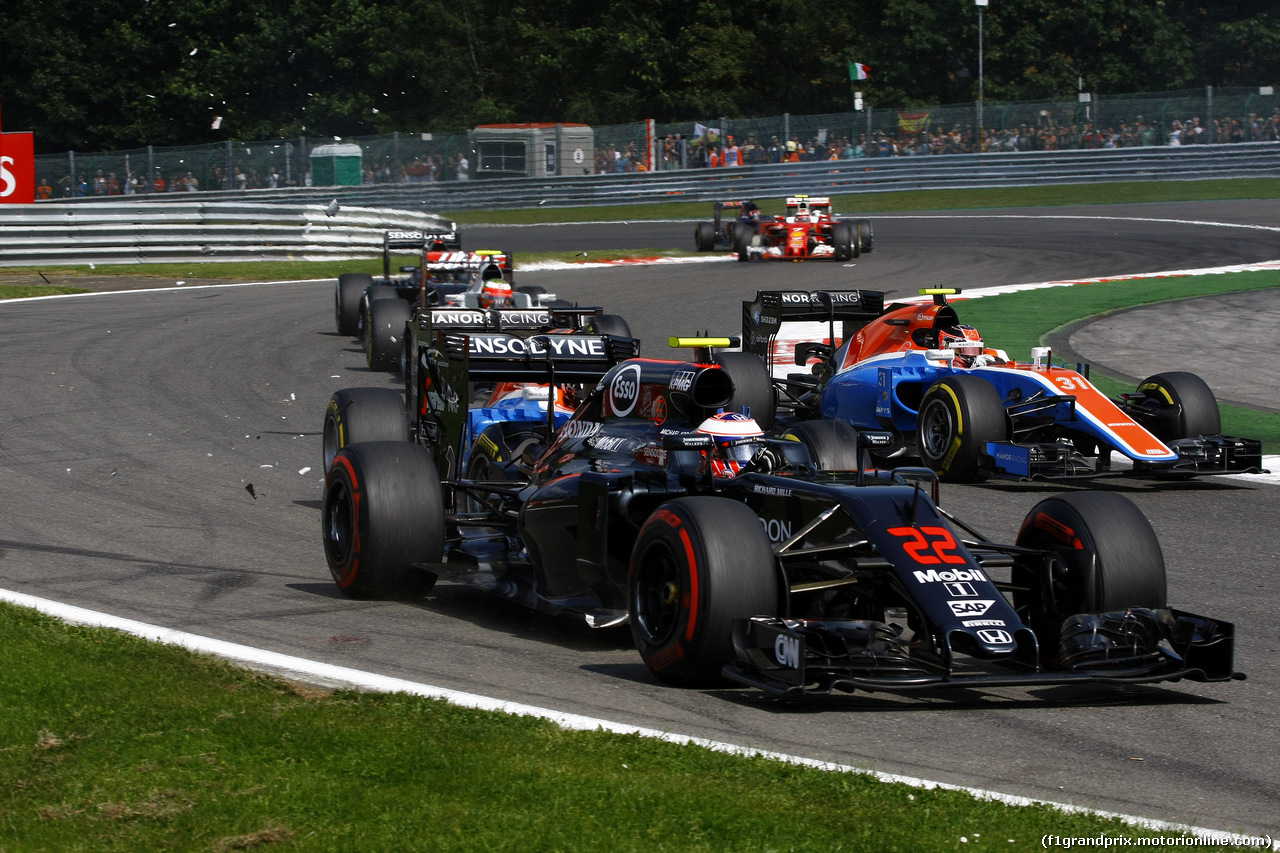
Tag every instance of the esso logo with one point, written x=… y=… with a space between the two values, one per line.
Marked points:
x=624 y=390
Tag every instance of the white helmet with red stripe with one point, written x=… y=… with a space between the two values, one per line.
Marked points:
x=738 y=439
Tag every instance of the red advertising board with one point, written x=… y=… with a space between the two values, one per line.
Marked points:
x=17 y=168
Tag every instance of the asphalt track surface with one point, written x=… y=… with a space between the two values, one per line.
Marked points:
x=136 y=423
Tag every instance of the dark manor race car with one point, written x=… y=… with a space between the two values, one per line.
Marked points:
x=775 y=562
x=969 y=411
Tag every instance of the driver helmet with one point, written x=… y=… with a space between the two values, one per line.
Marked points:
x=496 y=293
x=964 y=341
x=738 y=438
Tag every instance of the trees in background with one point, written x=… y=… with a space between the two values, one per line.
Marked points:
x=118 y=74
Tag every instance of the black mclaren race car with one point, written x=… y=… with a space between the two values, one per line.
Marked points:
x=776 y=562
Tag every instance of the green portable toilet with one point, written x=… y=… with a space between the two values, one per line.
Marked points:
x=337 y=164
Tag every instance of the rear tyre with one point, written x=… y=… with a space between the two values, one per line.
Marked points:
x=866 y=234
x=752 y=388
x=489 y=459
x=1183 y=406
x=958 y=416
x=362 y=414
x=388 y=319
x=704 y=236
x=607 y=324
x=535 y=294
x=383 y=511
x=1106 y=558
x=351 y=287
x=697 y=564
x=742 y=239
x=832 y=445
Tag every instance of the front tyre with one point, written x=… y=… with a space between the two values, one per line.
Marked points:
x=958 y=416
x=383 y=512
x=1180 y=405
x=697 y=564
x=844 y=239
x=1105 y=558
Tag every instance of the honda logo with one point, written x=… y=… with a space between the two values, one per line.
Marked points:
x=996 y=638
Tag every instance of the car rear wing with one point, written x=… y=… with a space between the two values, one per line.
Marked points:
x=415 y=241
x=457 y=360
x=777 y=320
x=521 y=322
x=457 y=261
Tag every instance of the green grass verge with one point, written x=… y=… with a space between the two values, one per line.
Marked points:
x=1016 y=322
x=110 y=742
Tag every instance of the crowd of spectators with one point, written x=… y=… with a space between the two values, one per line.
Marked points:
x=711 y=150
x=1044 y=135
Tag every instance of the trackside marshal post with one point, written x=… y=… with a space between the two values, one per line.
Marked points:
x=17 y=168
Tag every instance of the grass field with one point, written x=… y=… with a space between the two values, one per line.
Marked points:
x=109 y=742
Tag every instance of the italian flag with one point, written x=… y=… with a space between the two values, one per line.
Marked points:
x=858 y=71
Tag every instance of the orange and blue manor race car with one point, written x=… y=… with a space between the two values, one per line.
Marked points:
x=969 y=411
x=772 y=561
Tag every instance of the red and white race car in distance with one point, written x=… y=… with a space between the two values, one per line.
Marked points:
x=808 y=230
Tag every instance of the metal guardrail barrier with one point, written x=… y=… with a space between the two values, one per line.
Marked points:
x=136 y=230
x=291 y=223
x=831 y=177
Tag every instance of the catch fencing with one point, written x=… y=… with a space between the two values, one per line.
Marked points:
x=1091 y=120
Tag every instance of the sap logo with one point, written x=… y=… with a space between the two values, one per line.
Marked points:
x=778 y=531
x=683 y=380
x=970 y=608
x=786 y=651
x=962 y=590
x=624 y=390
x=935 y=576
x=993 y=637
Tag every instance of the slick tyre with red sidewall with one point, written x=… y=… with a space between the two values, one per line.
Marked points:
x=1106 y=557
x=698 y=564
x=383 y=512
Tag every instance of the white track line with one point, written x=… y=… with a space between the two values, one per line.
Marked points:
x=337 y=676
